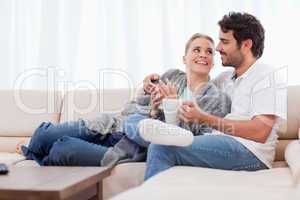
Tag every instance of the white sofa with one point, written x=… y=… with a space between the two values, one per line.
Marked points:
x=23 y=111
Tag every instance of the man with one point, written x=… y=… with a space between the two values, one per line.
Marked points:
x=245 y=138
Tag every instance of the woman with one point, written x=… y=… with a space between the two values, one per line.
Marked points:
x=194 y=84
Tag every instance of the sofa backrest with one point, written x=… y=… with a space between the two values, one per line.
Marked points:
x=289 y=129
x=88 y=103
x=20 y=111
x=23 y=110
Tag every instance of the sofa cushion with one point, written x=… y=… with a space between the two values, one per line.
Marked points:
x=26 y=163
x=280 y=147
x=10 y=158
x=205 y=177
x=289 y=128
x=9 y=144
x=23 y=110
x=292 y=156
x=195 y=192
x=88 y=103
x=123 y=177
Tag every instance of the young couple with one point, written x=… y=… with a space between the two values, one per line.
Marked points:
x=236 y=133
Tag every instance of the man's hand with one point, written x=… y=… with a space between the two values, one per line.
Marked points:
x=189 y=111
x=147 y=83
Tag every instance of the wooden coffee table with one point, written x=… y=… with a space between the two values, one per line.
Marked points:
x=43 y=183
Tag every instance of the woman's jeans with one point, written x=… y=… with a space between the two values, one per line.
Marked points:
x=210 y=151
x=132 y=131
x=70 y=143
x=73 y=144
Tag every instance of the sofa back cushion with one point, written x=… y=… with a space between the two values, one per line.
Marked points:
x=288 y=131
x=88 y=103
x=23 y=110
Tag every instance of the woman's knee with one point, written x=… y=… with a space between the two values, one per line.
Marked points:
x=62 y=151
x=39 y=136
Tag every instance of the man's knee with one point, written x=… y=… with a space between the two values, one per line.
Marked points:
x=159 y=150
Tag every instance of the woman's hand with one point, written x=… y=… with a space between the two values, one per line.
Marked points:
x=156 y=97
x=168 y=90
x=189 y=111
x=147 y=83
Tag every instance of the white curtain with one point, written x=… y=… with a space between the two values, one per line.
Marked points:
x=69 y=44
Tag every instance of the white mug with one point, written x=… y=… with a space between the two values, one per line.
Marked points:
x=170 y=108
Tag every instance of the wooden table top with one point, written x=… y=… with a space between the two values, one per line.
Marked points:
x=51 y=181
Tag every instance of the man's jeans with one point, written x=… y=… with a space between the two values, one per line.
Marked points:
x=210 y=151
x=70 y=143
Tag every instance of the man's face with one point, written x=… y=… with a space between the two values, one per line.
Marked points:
x=199 y=57
x=229 y=50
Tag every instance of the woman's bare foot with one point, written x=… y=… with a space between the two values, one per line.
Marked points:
x=18 y=147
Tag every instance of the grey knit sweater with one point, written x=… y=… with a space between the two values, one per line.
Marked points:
x=210 y=99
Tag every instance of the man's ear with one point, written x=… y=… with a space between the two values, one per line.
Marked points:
x=247 y=44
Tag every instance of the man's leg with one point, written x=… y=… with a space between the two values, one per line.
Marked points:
x=131 y=129
x=211 y=151
x=47 y=133
x=69 y=151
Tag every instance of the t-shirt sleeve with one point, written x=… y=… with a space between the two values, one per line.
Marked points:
x=267 y=98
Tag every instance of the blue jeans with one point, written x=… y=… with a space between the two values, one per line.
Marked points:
x=210 y=151
x=131 y=129
x=67 y=144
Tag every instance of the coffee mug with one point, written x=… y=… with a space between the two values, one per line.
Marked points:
x=170 y=108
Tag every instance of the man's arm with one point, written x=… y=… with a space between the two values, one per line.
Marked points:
x=257 y=129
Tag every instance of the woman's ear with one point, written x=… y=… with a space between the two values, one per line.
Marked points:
x=184 y=59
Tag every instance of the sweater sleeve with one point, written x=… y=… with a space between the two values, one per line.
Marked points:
x=212 y=101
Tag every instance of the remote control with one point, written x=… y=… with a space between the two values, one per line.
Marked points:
x=3 y=168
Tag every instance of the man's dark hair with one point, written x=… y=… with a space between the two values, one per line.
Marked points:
x=245 y=26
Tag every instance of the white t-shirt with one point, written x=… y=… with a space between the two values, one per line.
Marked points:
x=259 y=91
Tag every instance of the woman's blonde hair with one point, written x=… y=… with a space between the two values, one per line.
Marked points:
x=195 y=36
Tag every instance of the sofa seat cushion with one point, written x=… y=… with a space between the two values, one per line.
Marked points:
x=10 y=158
x=205 y=177
x=196 y=182
x=123 y=177
x=9 y=144
x=196 y=192
x=27 y=163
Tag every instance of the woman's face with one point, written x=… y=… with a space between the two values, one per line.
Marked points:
x=199 y=57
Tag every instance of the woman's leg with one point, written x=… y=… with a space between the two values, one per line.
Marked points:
x=211 y=151
x=69 y=151
x=47 y=133
x=131 y=129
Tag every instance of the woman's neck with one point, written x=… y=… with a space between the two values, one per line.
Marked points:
x=195 y=82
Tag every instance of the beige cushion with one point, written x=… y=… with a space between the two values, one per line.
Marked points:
x=289 y=129
x=9 y=144
x=202 y=183
x=292 y=156
x=280 y=147
x=217 y=193
x=279 y=164
x=89 y=103
x=122 y=178
x=204 y=177
x=26 y=163
x=22 y=111
x=10 y=158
